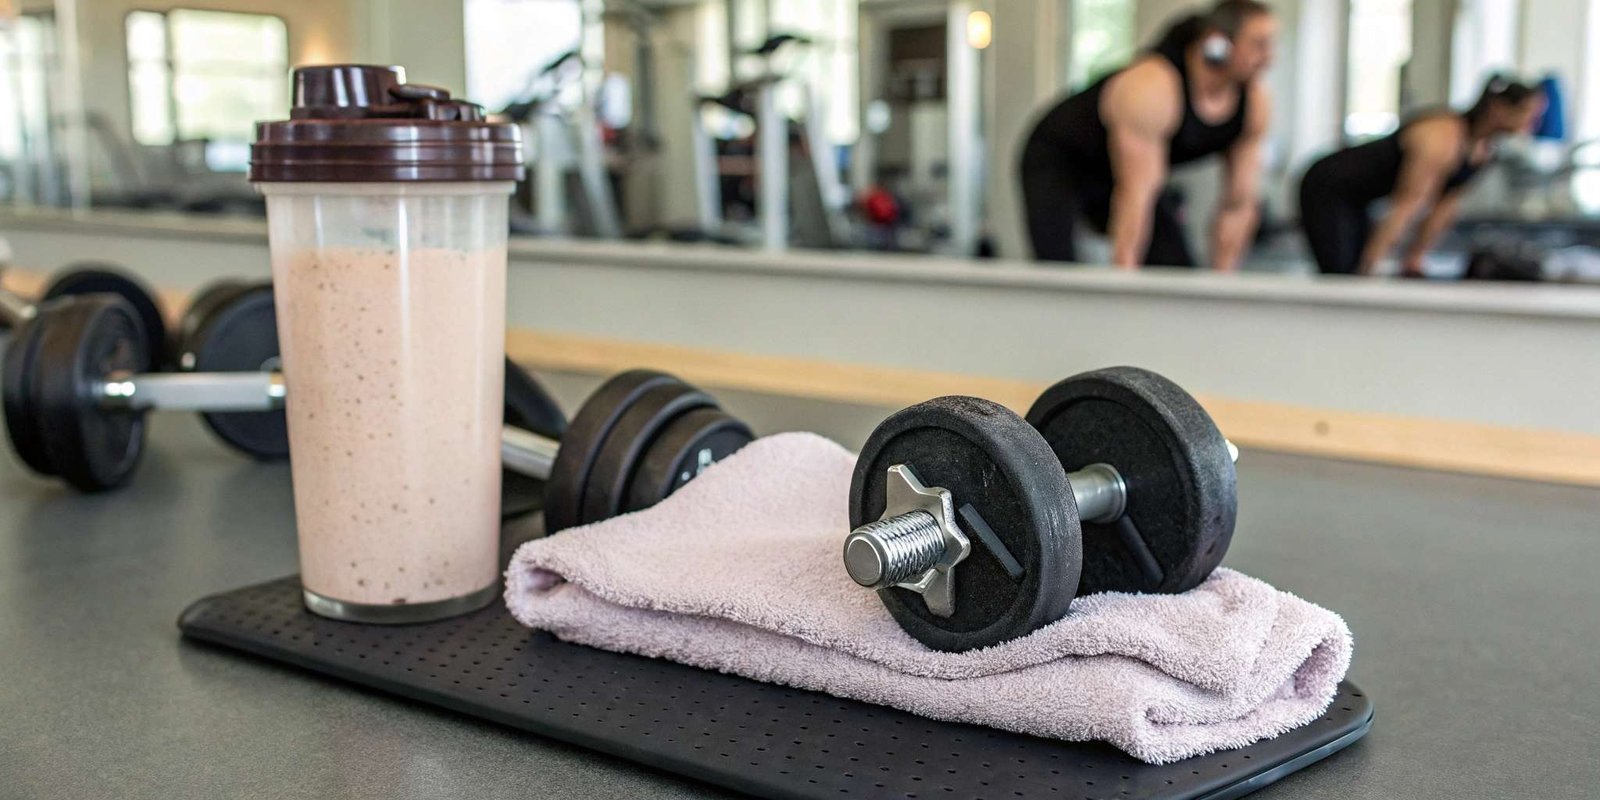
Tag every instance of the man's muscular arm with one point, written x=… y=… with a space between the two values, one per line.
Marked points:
x=1238 y=211
x=1141 y=109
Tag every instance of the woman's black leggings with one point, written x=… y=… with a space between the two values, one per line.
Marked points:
x=1054 y=199
x=1335 y=228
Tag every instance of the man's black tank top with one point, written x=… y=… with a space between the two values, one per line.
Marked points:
x=1074 y=129
x=1371 y=171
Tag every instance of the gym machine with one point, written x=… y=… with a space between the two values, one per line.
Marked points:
x=801 y=203
x=559 y=123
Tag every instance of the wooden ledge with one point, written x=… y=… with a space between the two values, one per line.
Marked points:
x=1447 y=445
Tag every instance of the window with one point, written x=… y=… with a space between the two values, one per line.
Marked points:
x=830 y=64
x=27 y=68
x=510 y=41
x=1102 y=39
x=206 y=75
x=1380 y=46
x=830 y=67
x=1483 y=42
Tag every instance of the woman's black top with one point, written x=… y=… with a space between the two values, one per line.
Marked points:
x=1371 y=171
x=1074 y=129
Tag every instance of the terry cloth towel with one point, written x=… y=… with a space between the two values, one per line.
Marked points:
x=740 y=572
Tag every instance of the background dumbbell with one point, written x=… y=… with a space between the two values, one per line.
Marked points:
x=81 y=396
x=230 y=326
x=977 y=526
x=62 y=372
x=91 y=278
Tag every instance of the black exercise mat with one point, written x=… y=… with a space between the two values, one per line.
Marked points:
x=748 y=736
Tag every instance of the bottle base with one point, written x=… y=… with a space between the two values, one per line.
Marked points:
x=401 y=614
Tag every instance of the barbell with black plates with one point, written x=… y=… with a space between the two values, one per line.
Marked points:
x=973 y=532
x=91 y=278
x=231 y=326
x=81 y=363
x=189 y=336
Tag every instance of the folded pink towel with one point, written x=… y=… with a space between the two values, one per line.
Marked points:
x=740 y=572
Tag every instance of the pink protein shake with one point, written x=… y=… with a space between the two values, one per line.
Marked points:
x=386 y=209
x=397 y=486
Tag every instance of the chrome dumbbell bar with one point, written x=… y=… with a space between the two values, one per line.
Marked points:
x=522 y=451
x=15 y=311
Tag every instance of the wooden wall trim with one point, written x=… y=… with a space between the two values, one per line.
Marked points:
x=1447 y=445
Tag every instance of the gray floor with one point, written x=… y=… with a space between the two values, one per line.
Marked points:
x=1474 y=602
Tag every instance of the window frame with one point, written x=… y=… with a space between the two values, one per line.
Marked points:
x=1072 y=67
x=171 y=61
x=1350 y=85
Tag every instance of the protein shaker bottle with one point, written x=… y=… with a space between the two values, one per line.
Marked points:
x=386 y=210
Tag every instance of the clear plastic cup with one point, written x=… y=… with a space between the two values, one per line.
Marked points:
x=390 y=294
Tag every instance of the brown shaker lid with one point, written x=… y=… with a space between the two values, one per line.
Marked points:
x=356 y=123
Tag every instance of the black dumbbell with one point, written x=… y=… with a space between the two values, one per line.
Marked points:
x=91 y=278
x=977 y=526
x=76 y=394
x=69 y=390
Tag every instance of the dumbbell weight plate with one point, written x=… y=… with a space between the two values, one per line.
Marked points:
x=22 y=416
x=530 y=407
x=989 y=458
x=1182 y=495
x=80 y=343
x=96 y=278
x=606 y=494
x=684 y=448
x=202 y=305
x=569 y=475
x=237 y=331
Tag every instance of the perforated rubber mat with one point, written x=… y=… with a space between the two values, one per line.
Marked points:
x=741 y=734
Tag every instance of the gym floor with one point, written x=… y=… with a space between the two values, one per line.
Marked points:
x=1472 y=601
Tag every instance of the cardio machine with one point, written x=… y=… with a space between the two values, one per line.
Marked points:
x=572 y=194
x=797 y=199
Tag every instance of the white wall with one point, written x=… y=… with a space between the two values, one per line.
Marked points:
x=1315 y=101
x=1555 y=38
x=1427 y=78
x=1152 y=16
x=1025 y=69
x=1587 y=101
x=679 y=36
x=427 y=37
